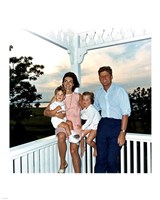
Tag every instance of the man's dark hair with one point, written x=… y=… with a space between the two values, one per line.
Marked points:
x=105 y=68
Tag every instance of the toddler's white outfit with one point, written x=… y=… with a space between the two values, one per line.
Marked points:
x=55 y=120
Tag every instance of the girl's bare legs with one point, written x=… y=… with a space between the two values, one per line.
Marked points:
x=75 y=157
x=90 y=141
x=93 y=144
x=62 y=147
x=82 y=146
x=82 y=143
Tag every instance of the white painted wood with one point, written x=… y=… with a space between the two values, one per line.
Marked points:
x=30 y=163
x=37 y=161
x=24 y=164
x=17 y=165
x=88 y=159
x=142 y=157
x=56 y=159
x=42 y=160
x=47 y=159
x=83 y=158
x=93 y=163
x=68 y=159
x=122 y=159
x=135 y=156
x=51 y=164
x=42 y=156
x=128 y=157
x=149 y=163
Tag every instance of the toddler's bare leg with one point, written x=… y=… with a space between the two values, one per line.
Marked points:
x=70 y=124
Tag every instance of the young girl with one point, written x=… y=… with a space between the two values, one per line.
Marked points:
x=90 y=118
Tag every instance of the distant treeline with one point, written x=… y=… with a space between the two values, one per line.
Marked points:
x=36 y=125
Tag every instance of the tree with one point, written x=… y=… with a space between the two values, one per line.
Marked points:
x=22 y=92
x=140 y=119
x=37 y=104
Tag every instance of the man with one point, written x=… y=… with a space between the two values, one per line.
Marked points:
x=113 y=103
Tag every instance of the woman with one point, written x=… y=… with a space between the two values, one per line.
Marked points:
x=73 y=102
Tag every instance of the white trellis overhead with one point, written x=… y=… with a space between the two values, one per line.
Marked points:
x=78 y=44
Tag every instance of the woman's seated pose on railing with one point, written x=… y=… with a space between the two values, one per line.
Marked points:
x=73 y=103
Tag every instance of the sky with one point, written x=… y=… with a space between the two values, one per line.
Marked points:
x=132 y=60
x=131 y=63
x=80 y=15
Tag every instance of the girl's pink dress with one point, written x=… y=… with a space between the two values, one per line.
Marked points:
x=73 y=111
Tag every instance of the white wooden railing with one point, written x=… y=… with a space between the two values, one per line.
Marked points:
x=41 y=156
x=136 y=154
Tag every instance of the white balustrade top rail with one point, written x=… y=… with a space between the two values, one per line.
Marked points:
x=32 y=146
x=41 y=156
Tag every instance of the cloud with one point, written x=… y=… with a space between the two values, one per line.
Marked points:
x=131 y=63
x=138 y=65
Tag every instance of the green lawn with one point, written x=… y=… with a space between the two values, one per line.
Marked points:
x=36 y=127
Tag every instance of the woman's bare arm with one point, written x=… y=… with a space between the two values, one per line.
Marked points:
x=80 y=101
x=49 y=113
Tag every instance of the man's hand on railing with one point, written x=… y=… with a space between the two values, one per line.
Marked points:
x=121 y=138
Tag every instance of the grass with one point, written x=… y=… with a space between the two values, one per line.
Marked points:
x=39 y=126
x=36 y=127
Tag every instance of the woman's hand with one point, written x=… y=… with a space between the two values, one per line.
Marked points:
x=60 y=114
x=79 y=127
x=58 y=108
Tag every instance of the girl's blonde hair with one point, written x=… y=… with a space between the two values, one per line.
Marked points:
x=90 y=94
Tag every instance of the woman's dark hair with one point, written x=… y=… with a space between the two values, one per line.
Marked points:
x=91 y=94
x=75 y=80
